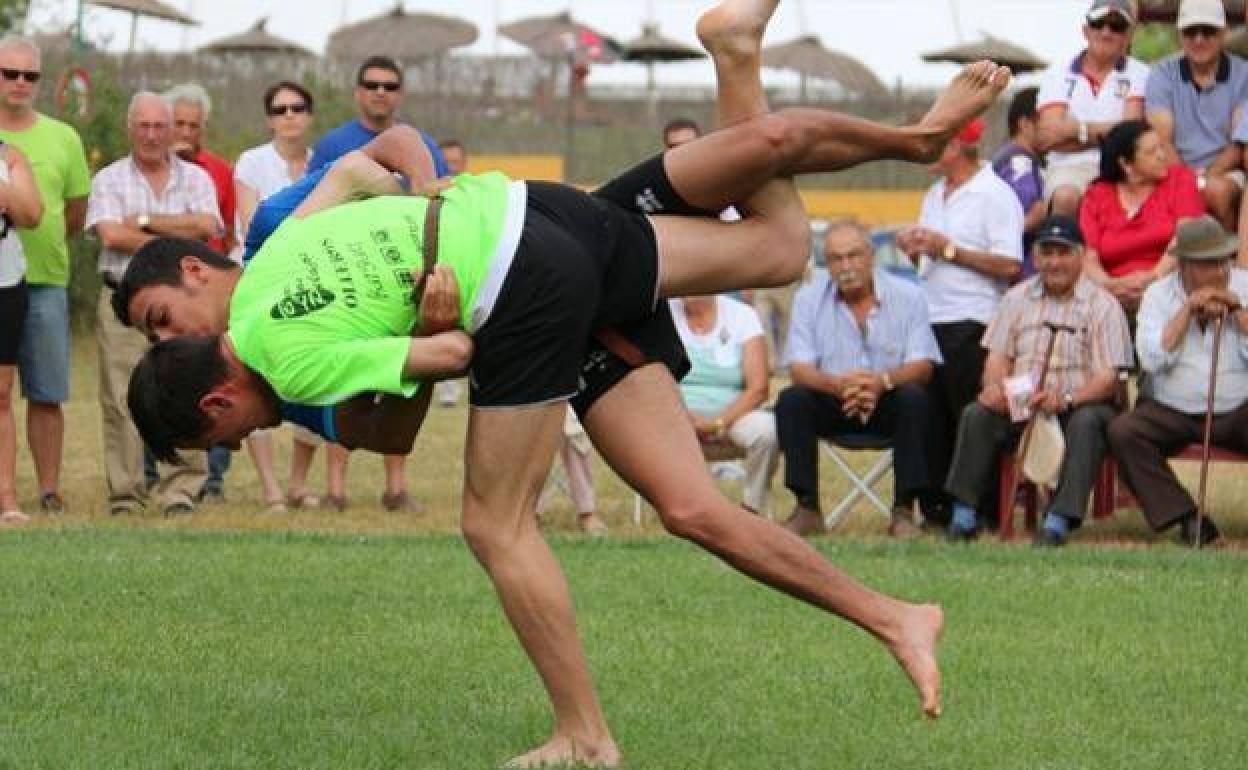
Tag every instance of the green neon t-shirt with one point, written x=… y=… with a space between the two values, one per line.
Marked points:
x=59 y=165
x=324 y=311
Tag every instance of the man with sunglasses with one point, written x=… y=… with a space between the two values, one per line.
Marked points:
x=1195 y=101
x=1081 y=100
x=60 y=169
x=378 y=94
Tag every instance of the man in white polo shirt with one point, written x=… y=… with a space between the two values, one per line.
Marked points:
x=968 y=247
x=1081 y=100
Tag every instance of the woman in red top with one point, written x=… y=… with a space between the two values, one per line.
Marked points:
x=1129 y=214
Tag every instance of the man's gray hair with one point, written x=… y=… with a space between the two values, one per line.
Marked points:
x=17 y=41
x=851 y=223
x=144 y=96
x=190 y=93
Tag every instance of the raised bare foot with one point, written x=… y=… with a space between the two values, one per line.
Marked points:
x=974 y=90
x=915 y=650
x=561 y=751
x=735 y=27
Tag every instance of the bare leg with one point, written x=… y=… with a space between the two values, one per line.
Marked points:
x=45 y=433
x=508 y=454
x=260 y=447
x=336 y=458
x=8 y=443
x=396 y=481
x=301 y=454
x=637 y=427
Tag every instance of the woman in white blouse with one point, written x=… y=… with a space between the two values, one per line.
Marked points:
x=260 y=172
x=20 y=206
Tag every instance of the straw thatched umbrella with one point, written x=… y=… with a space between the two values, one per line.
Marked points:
x=807 y=57
x=152 y=8
x=1168 y=10
x=256 y=40
x=561 y=37
x=404 y=36
x=652 y=48
x=1003 y=52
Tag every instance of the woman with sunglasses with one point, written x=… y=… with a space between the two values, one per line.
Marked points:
x=20 y=206
x=260 y=172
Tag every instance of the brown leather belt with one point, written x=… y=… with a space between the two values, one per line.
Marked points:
x=433 y=216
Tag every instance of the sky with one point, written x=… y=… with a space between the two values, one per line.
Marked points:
x=886 y=35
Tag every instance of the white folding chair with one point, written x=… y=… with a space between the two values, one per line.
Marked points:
x=862 y=485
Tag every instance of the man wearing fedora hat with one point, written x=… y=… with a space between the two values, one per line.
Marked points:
x=1174 y=339
x=1092 y=345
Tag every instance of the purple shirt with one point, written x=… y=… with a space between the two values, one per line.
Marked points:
x=1021 y=171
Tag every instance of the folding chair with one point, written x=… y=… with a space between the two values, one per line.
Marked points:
x=862 y=485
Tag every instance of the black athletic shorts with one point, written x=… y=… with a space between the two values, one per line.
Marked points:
x=13 y=304
x=578 y=309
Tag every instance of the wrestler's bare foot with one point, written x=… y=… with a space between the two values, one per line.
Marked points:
x=974 y=90
x=561 y=751
x=734 y=28
x=915 y=650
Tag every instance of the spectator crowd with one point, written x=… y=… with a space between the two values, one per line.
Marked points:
x=1094 y=248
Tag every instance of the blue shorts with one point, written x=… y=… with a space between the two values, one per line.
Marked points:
x=43 y=360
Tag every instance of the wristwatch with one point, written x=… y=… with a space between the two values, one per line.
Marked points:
x=1083 y=133
x=888 y=381
x=143 y=221
x=1069 y=398
x=950 y=252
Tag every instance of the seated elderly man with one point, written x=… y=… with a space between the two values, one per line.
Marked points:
x=860 y=352
x=1175 y=340
x=727 y=385
x=1078 y=388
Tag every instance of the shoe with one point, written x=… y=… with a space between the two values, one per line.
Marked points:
x=959 y=535
x=303 y=500
x=591 y=525
x=1208 y=531
x=804 y=521
x=400 y=503
x=123 y=506
x=1047 y=538
x=13 y=518
x=901 y=526
x=178 y=508
x=334 y=503
x=51 y=503
x=274 y=507
x=212 y=496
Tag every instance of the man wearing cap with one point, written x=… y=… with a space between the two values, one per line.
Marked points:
x=1195 y=102
x=1082 y=99
x=1078 y=389
x=1174 y=338
x=968 y=248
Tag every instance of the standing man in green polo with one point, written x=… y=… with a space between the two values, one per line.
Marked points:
x=60 y=168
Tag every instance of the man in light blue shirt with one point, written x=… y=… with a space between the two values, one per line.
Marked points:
x=1174 y=340
x=860 y=352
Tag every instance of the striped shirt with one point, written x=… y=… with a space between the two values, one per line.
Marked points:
x=120 y=190
x=825 y=333
x=1101 y=342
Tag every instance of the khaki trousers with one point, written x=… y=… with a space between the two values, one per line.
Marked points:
x=120 y=349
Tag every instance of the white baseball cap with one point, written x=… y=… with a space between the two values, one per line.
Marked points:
x=1202 y=13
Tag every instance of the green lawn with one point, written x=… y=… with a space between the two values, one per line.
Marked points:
x=131 y=647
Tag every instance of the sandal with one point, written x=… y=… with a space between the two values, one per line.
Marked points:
x=303 y=500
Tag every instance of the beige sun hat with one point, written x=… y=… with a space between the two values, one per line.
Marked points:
x=1202 y=239
x=1043 y=462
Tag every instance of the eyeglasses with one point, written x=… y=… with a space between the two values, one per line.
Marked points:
x=30 y=76
x=1201 y=30
x=282 y=109
x=1115 y=23
x=389 y=86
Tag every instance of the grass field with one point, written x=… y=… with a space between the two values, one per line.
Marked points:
x=372 y=640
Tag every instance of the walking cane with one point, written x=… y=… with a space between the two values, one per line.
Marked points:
x=1025 y=440
x=1205 y=442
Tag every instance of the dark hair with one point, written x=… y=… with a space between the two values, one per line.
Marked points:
x=159 y=263
x=378 y=63
x=166 y=388
x=447 y=144
x=1119 y=145
x=1023 y=105
x=288 y=85
x=681 y=124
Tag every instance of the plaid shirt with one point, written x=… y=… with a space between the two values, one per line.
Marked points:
x=1102 y=342
x=120 y=190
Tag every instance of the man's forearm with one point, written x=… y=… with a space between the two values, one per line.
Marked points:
x=808 y=376
x=197 y=226
x=1099 y=387
x=402 y=149
x=989 y=264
